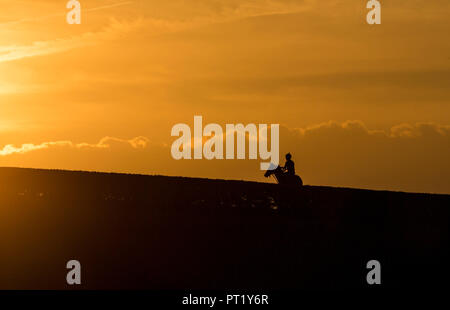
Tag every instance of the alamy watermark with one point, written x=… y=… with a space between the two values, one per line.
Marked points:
x=74 y=275
x=74 y=15
x=374 y=15
x=374 y=275
x=194 y=147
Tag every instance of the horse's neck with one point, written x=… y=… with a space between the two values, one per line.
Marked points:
x=278 y=175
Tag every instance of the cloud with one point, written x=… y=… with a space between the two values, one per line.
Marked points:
x=353 y=127
x=109 y=6
x=221 y=10
x=420 y=130
x=38 y=48
x=44 y=17
x=105 y=143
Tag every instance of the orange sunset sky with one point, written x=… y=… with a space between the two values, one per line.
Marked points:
x=358 y=105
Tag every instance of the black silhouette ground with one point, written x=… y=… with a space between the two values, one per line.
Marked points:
x=155 y=232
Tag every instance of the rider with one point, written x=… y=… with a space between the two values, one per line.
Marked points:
x=289 y=167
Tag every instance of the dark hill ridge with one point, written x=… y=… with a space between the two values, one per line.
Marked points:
x=156 y=232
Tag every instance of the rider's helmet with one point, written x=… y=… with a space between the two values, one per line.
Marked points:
x=288 y=156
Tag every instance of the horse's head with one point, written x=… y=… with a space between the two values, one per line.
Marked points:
x=272 y=171
x=268 y=173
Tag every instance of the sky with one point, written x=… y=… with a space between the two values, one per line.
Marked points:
x=358 y=105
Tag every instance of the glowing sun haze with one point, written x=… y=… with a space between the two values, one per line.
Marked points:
x=359 y=105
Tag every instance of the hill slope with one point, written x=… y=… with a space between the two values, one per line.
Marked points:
x=155 y=232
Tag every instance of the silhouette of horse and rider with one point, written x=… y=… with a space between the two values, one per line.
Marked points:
x=286 y=175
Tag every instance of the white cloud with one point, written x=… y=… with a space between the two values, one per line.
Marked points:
x=104 y=143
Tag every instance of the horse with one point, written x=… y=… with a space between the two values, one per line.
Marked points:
x=283 y=178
